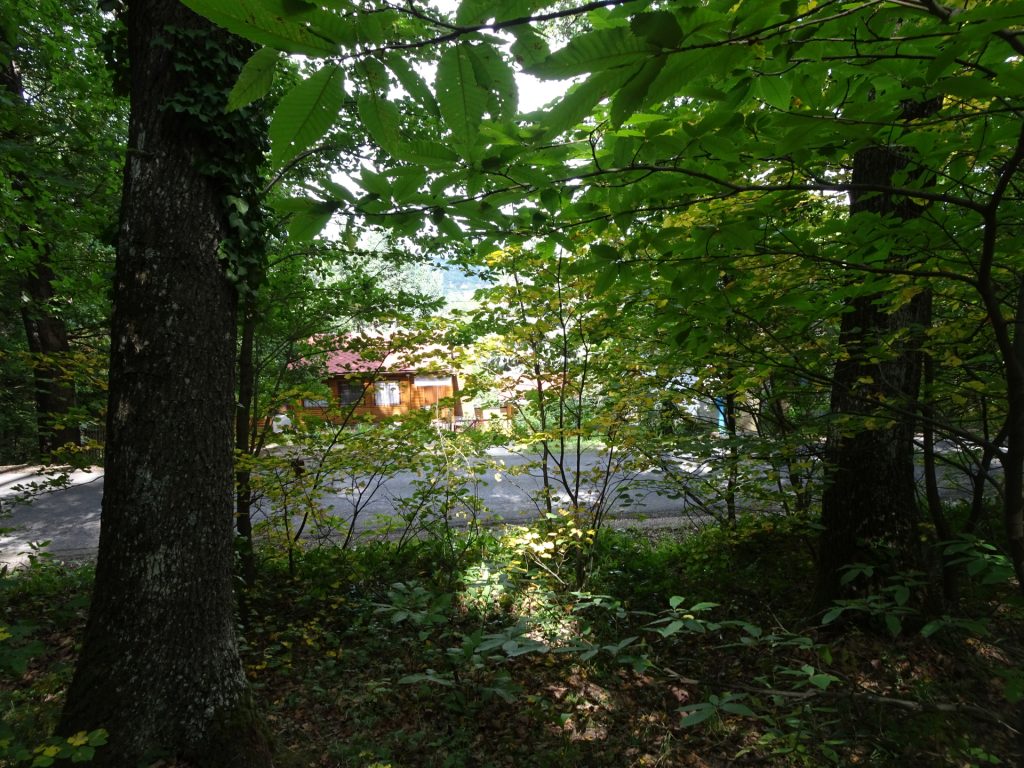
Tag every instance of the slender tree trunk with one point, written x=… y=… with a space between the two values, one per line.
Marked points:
x=1009 y=335
x=45 y=331
x=950 y=585
x=980 y=480
x=159 y=666
x=1013 y=464
x=243 y=444
x=869 y=504
x=47 y=338
x=732 y=479
x=546 y=485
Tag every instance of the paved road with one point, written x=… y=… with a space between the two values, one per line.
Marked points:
x=69 y=518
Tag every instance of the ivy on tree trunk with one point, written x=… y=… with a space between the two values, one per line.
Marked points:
x=159 y=667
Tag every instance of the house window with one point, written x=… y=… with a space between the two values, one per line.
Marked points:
x=350 y=392
x=311 y=403
x=387 y=393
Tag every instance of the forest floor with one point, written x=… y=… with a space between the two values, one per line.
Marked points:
x=462 y=650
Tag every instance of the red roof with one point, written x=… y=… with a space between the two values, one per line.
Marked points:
x=343 y=361
x=340 y=362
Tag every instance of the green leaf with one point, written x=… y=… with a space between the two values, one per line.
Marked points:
x=833 y=614
x=406 y=182
x=375 y=75
x=699 y=607
x=893 y=624
x=253 y=20
x=901 y=594
x=461 y=98
x=255 y=79
x=580 y=102
x=934 y=626
x=306 y=113
x=631 y=96
x=529 y=48
x=308 y=224
x=696 y=714
x=942 y=61
x=594 y=52
x=496 y=78
x=550 y=199
x=296 y=9
x=83 y=754
x=431 y=153
x=412 y=83
x=734 y=707
x=336 y=29
x=971 y=88
x=822 y=680
x=381 y=119
x=683 y=72
x=372 y=29
x=775 y=90
x=374 y=183
x=292 y=204
x=428 y=677
x=659 y=28
x=472 y=12
x=98 y=737
x=606 y=279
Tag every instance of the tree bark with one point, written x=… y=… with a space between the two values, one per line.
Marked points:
x=1013 y=465
x=869 y=504
x=943 y=530
x=47 y=338
x=159 y=667
x=243 y=442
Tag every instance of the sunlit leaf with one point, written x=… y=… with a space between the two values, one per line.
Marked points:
x=594 y=51
x=252 y=19
x=461 y=98
x=306 y=113
x=255 y=79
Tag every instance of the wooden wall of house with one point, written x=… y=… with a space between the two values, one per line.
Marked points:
x=411 y=397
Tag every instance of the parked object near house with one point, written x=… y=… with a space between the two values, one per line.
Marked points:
x=398 y=384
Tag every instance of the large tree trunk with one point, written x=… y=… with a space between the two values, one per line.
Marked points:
x=159 y=667
x=869 y=504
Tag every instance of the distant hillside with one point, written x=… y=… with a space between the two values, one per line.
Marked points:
x=458 y=287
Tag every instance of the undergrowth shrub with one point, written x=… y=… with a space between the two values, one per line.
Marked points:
x=44 y=607
x=756 y=555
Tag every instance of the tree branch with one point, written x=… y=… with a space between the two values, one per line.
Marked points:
x=948 y=15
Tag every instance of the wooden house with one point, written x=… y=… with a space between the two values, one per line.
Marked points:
x=399 y=383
